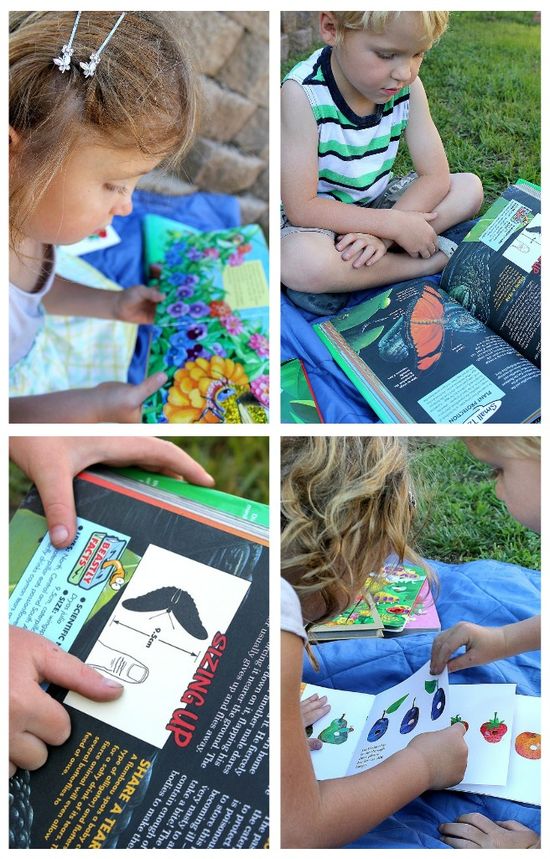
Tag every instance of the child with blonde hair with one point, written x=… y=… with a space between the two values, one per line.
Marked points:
x=97 y=100
x=344 y=110
x=346 y=505
x=517 y=466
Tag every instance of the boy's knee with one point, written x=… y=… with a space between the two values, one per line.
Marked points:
x=307 y=272
x=473 y=191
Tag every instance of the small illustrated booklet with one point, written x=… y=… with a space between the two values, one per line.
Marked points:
x=386 y=605
x=298 y=403
x=362 y=730
x=164 y=589
x=423 y=616
x=211 y=330
x=466 y=352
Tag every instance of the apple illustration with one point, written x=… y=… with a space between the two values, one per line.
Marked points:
x=379 y=728
x=528 y=745
x=410 y=720
x=493 y=730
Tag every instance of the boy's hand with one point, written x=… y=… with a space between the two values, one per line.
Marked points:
x=312 y=709
x=474 y=831
x=360 y=248
x=51 y=463
x=445 y=754
x=137 y=304
x=36 y=719
x=414 y=234
x=483 y=644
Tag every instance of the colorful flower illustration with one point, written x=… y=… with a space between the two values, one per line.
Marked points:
x=198 y=309
x=220 y=308
x=233 y=324
x=260 y=389
x=260 y=344
x=178 y=308
x=201 y=389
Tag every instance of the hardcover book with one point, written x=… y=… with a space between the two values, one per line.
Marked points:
x=165 y=589
x=467 y=351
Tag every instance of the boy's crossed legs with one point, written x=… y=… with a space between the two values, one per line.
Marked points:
x=310 y=262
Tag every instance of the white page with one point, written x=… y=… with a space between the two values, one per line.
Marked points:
x=477 y=704
x=333 y=760
x=524 y=773
x=150 y=652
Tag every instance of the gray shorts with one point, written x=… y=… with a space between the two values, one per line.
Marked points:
x=388 y=198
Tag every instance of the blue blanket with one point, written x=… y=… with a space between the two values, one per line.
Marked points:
x=123 y=262
x=485 y=592
x=339 y=401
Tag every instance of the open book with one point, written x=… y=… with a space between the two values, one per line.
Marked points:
x=467 y=351
x=502 y=735
x=164 y=589
x=211 y=331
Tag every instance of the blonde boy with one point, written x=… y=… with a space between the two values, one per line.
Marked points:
x=344 y=110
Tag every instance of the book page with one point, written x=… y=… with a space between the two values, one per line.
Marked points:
x=488 y=710
x=170 y=620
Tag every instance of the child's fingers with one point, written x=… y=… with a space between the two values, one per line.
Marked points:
x=139 y=393
x=363 y=257
x=54 y=482
x=27 y=752
x=157 y=455
x=379 y=253
x=69 y=672
x=153 y=294
x=344 y=241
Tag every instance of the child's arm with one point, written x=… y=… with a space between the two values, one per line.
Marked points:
x=134 y=304
x=112 y=402
x=335 y=812
x=36 y=719
x=427 y=155
x=52 y=462
x=483 y=643
x=299 y=177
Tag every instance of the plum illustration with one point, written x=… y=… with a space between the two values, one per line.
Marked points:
x=379 y=728
x=410 y=719
x=438 y=704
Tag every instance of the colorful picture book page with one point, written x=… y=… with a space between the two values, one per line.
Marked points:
x=524 y=773
x=339 y=730
x=98 y=241
x=395 y=592
x=382 y=724
x=423 y=615
x=488 y=709
x=59 y=588
x=173 y=611
x=211 y=330
x=360 y=617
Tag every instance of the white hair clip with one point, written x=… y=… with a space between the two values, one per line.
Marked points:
x=90 y=67
x=64 y=61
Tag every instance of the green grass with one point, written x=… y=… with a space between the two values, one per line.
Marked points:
x=483 y=84
x=460 y=517
x=240 y=466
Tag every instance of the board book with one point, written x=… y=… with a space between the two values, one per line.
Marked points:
x=384 y=607
x=211 y=330
x=363 y=730
x=164 y=588
x=466 y=351
x=298 y=402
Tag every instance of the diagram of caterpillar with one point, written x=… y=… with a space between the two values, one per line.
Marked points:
x=170 y=613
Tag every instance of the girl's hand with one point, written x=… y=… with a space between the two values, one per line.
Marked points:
x=119 y=402
x=445 y=755
x=312 y=709
x=36 y=719
x=137 y=304
x=51 y=463
x=360 y=248
x=483 y=644
x=474 y=831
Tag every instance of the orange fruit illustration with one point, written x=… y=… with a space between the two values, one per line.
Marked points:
x=528 y=745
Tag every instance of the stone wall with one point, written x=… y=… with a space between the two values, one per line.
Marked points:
x=230 y=154
x=298 y=32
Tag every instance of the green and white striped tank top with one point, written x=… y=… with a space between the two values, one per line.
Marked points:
x=356 y=153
